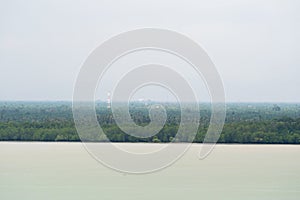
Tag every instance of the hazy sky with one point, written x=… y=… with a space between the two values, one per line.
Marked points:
x=254 y=44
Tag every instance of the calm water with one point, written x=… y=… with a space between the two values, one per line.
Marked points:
x=67 y=171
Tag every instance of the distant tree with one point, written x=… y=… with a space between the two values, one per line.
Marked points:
x=155 y=139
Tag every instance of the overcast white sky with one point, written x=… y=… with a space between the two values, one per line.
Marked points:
x=254 y=44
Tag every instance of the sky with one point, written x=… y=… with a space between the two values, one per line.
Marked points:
x=254 y=44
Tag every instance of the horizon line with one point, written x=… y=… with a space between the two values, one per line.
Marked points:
x=226 y=102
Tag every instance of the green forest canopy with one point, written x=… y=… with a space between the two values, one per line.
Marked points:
x=245 y=123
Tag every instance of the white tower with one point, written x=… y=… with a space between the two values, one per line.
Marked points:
x=108 y=100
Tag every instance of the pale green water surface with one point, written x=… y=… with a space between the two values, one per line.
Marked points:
x=66 y=171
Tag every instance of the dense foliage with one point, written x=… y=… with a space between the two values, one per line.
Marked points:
x=245 y=123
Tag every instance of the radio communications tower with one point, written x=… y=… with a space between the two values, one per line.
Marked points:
x=108 y=100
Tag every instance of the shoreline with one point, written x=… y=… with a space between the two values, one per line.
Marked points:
x=139 y=143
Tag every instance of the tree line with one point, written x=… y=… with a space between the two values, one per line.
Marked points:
x=245 y=123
